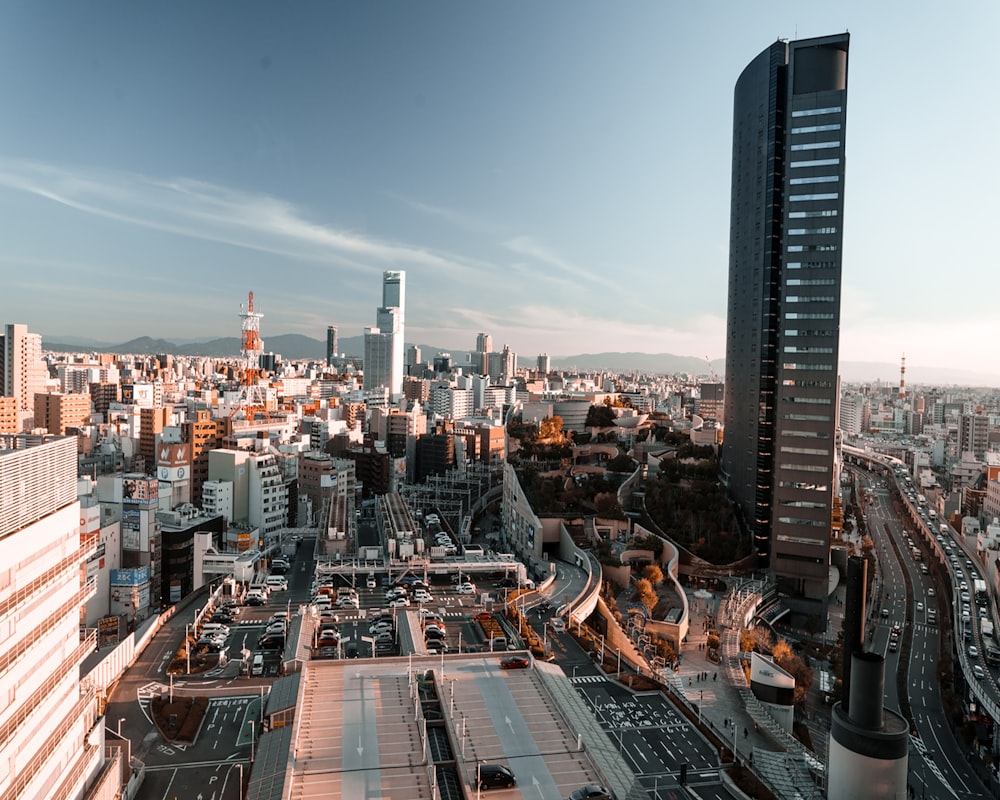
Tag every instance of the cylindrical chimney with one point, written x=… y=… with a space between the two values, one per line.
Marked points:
x=867 y=691
x=854 y=622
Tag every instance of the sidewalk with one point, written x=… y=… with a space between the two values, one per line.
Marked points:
x=704 y=683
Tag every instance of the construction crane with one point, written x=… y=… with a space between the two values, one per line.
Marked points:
x=711 y=369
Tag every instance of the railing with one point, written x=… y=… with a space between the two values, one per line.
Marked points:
x=29 y=706
x=56 y=618
x=19 y=595
x=54 y=740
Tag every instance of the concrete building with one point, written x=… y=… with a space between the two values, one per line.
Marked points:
x=782 y=341
x=8 y=415
x=51 y=731
x=973 y=435
x=711 y=403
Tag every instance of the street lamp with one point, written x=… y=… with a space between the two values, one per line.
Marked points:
x=120 y=721
x=241 y=780
x=252 y=738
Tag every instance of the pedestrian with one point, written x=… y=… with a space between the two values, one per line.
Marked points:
x=745 y=733
x=689 y=681
x=715 y=676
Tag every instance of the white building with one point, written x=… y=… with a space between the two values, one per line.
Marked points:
x=51 y=734
x=24 y=373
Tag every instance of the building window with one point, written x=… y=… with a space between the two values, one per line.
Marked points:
x=815 y=112
x=834 y=126
x=826 y=196
x=818 y=162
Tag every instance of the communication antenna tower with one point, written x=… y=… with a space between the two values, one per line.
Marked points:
x=252 y=400
x=902 y=378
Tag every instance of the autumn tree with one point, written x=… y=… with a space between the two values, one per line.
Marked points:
x=653 y=574
x=644 y=589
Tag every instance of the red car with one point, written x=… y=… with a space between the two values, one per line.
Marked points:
x=515 y=662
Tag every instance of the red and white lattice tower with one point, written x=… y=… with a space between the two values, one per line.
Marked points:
x=902 y=378
x=252 y=399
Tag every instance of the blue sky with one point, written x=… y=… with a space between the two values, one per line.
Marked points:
x=556 y=174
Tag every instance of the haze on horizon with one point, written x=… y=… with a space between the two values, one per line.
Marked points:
x=555 y=175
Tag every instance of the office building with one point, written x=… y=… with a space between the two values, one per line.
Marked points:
x=384 y=342
x=782 y=339
x=51 y=731
x=331 y=344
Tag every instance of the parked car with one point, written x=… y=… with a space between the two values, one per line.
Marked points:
x=346 y=601
x=495 y=776
x=592 y=792
x=466 y=588
x=422 y=596
x=434 y=633
x=400 y=602
x=515 y=662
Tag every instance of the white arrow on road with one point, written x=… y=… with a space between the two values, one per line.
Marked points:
x=360 y=748
x=509 y=724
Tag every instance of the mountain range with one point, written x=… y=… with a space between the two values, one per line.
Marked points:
x=294 y=346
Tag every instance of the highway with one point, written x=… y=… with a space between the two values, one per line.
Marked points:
x=938 y=767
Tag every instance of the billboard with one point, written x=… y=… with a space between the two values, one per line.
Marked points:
x=140 y=491
x=107 y=631
x=130 y=577
x=173 y=455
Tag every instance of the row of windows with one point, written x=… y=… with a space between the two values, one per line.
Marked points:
x=812 y=248
x=794 y=315
x=833 y=126
x=806 y=434
x=809 y=265
x=804 y=384
x=806 y=417
x=807 y=451
x=819 y=401
x=817 y=145
x=812 y=282
x=819 y=212
x=806 y=365
x=793 y=349
x=810 y=487
x=814 y=179
x=824 y=333
x=812 y=523
x=804 y=467
x=808 y=298
x=803 y=504
x=813 y=112
x=817 y=162
x=811 y=231
x=825 y=196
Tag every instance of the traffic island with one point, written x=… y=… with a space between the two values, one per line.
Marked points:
x=179 y=721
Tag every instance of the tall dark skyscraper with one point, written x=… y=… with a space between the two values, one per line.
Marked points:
x=779 y=458
x=331 y=344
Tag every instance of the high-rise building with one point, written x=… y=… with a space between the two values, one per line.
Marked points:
x=484 y=343
x=786 y=230
x=543 y=363
x=384 y=342
x=24 y=373
x=331 y=344
x=51 y=730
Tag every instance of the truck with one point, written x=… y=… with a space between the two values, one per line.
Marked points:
x=986 y=628
x=979 y=587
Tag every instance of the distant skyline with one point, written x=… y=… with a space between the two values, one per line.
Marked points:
x=556 y=174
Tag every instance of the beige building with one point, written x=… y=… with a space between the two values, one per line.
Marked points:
x=57 y=412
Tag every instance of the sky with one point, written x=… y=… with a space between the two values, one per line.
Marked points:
x=555 y=174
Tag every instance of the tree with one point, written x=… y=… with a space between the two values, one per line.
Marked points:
x=600 y=416
x=646 y=594
x=653 y=574
x=551 y=429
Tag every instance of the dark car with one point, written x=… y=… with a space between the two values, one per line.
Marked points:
x=271 y=643
x=592 y=793
x=515 y=662
x=224 y=618
x=434 y=633
x=495 y=776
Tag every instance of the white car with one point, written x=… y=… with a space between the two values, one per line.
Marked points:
x=466 y=588
x=423 y=597
x=399 y=602
x=346 y=601
x=370 y=583
x=558 y=624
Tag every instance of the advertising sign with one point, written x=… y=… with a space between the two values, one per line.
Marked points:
x=140 y=491
x=130 y=577
x=107 y=631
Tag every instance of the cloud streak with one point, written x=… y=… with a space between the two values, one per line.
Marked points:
x=200 y=210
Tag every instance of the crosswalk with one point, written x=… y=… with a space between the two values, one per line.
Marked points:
x=588 y=679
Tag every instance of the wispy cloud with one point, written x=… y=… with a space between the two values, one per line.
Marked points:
x=200 y=210
x=530 y=248
x=460 y=219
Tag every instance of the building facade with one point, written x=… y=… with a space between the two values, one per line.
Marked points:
x=786 y=232
x=51 y=734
